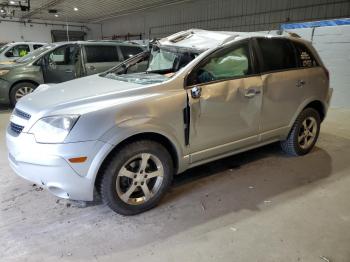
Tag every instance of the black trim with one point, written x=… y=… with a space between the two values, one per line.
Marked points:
x=187 y=120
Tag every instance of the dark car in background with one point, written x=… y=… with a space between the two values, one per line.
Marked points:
x=60 y=62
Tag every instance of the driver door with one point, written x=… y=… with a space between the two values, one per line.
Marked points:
x=225 y=96
x=62 y=64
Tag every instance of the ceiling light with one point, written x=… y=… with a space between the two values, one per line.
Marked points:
x=56 y=15
x=2 y=11
x=12 y=2
x=75 y=9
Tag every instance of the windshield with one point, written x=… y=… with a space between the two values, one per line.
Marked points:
x=35 y=54
x=3 y=48
x=155 y=66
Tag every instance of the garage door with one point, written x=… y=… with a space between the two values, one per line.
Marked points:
x=61 y=35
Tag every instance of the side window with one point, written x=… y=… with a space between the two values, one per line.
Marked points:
x=18 y=51
x=130 y=51
x=304 y=56
x=225 y=64
x=37 y=46
x=64 y=55
x=278 y=54
x=101 y=54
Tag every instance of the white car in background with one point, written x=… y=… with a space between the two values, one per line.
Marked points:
x=12 y=51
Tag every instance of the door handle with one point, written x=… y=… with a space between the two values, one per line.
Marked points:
x=196 y=92
x=251 y=93
x=300 y=83
x=92 y=68
x=69 y=71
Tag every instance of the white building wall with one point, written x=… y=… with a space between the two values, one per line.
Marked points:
x=36 y=31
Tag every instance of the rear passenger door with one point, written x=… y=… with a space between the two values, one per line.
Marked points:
x=281 y=79
x=99 y=58
x=313 y=81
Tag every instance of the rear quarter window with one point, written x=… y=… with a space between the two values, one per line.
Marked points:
x=130 y=51
x=305 y=58
x=101 y=54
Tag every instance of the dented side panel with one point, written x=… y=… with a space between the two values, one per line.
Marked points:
x=224 y=118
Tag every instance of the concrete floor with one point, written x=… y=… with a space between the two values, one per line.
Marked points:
x=257 y=206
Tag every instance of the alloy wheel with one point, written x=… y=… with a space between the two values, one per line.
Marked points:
x=139 y=179
x=23 y=91
x=307 y=132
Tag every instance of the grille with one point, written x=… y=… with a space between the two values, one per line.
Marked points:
x=16 y=128
x=22 y=114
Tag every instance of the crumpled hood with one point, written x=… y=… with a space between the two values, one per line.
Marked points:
x=75 y=92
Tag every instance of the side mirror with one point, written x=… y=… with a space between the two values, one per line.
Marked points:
x=9 y=53
x=196 y=92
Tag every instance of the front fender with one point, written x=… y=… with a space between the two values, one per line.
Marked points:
x=130 y=127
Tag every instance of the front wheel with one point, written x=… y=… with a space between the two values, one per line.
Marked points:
x=304 y=133
x=136 y=177
x=20 y=90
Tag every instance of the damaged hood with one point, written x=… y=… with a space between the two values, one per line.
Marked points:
x=83 y=91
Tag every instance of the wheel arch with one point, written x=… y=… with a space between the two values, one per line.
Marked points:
x=23 y=81
x=152 y=136
x=314 y=103
x=319 y=107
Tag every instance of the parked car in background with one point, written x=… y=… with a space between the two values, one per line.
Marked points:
x=195 y=97
x=60 y=62
x=12 y=51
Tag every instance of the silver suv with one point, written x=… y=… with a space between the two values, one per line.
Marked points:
x=195 y=97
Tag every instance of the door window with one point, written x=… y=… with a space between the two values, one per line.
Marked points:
x=65 y=55
x=277 y=54
x=101 y=54
x=36 y=46
x=130 y=51
x=227 y=64
x=18 y=51
x=304 y=56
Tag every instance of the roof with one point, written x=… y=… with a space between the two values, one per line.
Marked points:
x=27 y=42
x=204 y=39
x=100 y=42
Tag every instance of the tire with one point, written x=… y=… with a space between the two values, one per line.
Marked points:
x=21 y=89
x=298 y=143
x=130 y=170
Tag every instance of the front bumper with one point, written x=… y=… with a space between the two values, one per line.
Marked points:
x=4 y=91
x=47 y=164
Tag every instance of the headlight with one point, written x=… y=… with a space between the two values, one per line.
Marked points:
x=53 y=129
x=4 y=72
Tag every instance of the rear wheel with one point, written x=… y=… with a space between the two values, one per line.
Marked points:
x=304 y=133
x=20 y=90
x=136 y=178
